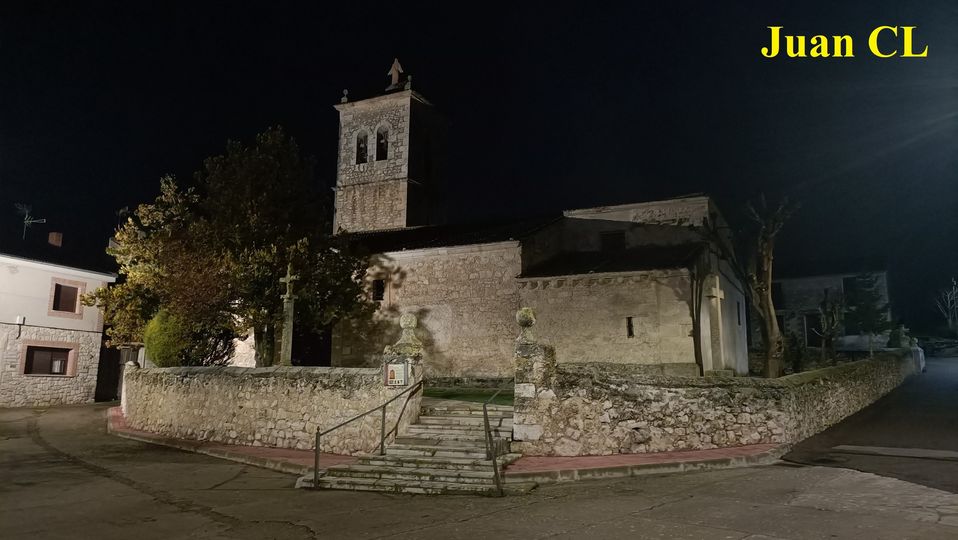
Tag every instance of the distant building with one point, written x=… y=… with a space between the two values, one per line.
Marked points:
x=797 y=299
x=49 y=341
x=635 y=283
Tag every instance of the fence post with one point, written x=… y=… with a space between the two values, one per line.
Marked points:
x=382 y=434
x=316 y=462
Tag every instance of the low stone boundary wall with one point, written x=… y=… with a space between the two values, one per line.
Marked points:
x=275 y=406
x=600 y=409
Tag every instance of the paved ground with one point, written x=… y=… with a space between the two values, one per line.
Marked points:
x=64 y=477
x=922 y=414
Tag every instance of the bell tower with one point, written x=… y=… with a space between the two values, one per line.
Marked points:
x=388 y=170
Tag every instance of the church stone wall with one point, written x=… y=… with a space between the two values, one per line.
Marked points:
x=371 y=207
x=465 y=299
x=390 y=111
x=585 y=317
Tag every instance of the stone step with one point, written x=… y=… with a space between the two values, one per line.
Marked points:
x=412 y=474
x=421 y=440
x=465 y=431
x=400 y=486
x=464 y=421
x=466 y=412
x=434 y=451
x=478 y=437
x=428 y=406
x=428 y=462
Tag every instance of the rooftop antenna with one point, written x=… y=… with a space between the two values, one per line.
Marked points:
x=28 y=220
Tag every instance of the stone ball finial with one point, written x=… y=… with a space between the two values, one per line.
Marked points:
x=526 y=317
x=345 y=97
x=408 y=321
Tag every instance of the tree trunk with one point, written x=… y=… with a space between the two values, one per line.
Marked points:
x=265 y=337
x=774 y=348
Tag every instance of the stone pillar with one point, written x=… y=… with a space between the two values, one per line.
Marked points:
x=128 y=368
x=535 y=376
x=408 y=349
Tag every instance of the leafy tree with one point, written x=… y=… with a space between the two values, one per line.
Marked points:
x=866 y=311
x=265 y=210
x=211 y=255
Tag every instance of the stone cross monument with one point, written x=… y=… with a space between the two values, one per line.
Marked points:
x=286 y=347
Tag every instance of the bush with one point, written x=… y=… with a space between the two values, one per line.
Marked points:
x=172 y=341
x=166 y=339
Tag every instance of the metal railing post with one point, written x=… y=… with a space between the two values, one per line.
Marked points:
x=382 y=434
x=316 y=462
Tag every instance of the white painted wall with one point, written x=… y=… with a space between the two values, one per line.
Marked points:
x=25 y=289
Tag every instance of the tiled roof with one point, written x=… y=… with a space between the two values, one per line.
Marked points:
x=650 y=257
x=434 y=236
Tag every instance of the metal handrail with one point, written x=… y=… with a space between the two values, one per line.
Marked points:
x=382 y=427
x=490 y=454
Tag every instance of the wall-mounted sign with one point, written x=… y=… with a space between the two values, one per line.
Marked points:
x=396 y=373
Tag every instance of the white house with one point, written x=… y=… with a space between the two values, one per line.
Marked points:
x=49 y=341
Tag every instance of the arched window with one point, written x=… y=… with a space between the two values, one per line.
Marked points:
x=382 y=144
x=362 y=147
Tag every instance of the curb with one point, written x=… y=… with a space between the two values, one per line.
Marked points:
x=197 y=448
x=767 y=457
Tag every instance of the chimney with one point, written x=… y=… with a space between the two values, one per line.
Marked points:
x=55 y=239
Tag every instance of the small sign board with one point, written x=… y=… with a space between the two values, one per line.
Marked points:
x=396 y=373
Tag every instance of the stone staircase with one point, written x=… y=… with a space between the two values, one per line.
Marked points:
x=443 y=452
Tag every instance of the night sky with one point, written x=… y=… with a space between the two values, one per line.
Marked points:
x=551 y=108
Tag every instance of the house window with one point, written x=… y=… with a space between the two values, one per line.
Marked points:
x=46 y=361
x=612 y=240
x=379 y=290
x=362 y=148
x=629 y=328
x=778 y=298
x=813 y=325
x=382 y=144
x=849 y=286
x=65 y=298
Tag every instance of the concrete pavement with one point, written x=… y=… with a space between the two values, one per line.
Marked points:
x=908 y=434
x=64 y=477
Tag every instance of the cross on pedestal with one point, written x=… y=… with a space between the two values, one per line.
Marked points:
x=286 y=347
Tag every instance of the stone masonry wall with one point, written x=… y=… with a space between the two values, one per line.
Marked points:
x=599 y=409
x=584 y=317
x=275 y=406
x=20 y=390
x=465 y=299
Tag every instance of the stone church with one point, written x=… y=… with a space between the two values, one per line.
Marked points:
x=637 y=283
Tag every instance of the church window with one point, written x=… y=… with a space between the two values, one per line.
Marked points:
x=612 y=240
x=382 y=144
x=362 y=144
x=379 y=290
x=629 y=328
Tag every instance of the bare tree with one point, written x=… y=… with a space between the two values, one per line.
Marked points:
x=769 y=221
x=755 y=272
x=831 y=310
x=947 y=303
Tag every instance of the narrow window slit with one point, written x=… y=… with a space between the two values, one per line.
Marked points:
x=629 y=327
